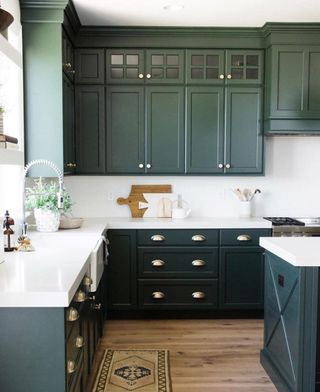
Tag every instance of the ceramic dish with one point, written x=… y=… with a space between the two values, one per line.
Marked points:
x=70 y=223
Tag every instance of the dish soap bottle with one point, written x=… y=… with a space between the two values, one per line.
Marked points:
x=8 y=232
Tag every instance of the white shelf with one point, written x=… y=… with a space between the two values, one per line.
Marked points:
x=11 y=157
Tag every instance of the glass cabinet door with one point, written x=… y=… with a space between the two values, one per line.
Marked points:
x=244 y=67
x=164 y=66
x=125 y=66
x=205 y=66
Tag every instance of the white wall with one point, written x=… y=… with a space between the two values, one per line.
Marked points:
x=290 y=187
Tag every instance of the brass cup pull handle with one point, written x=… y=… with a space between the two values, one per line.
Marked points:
x=87 y=281
x=198 y=238
x=71 y=367
x=96 y=306
x=244 y=237
x=158 y=295
x=158 y=238
x=72 y=314
x=79 y=342
x=80 y=296
x=198 y=263
x=198 y=295
x=158 y=263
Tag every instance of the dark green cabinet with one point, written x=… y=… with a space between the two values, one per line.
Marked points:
x=224 y=132
x=151 y=66
x=292 y=96
x=68 y=64
x=241 y=277
x=89 y=66
x=220 y=67
x=90 y=126
x=121 y=290
x=69 y=160
x=138 y=131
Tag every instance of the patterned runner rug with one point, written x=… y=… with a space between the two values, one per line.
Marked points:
x=133 y=370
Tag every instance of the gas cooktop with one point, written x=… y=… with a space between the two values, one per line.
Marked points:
x=284 y=221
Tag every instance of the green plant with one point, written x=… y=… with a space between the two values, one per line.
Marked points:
x=44 y=196
x=2 y=109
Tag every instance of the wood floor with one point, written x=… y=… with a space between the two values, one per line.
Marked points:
x=205 y=355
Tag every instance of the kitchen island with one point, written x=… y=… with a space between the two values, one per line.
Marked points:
x=291 y=352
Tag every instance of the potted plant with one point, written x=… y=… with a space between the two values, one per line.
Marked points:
x=42 y=199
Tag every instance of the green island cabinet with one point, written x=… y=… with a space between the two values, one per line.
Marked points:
x=291 y=352
x=185 y=269
x=51 y=349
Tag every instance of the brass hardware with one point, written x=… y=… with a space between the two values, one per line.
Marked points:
x=221 y=76
x=71 y=367
x=72 y=71
x=198 y=295
x=87 y=281
x=148 y=165
x=96 y=306
x=70 y=164
x=80 y=296
x=158 y=295
x=72 y=314
x=158 y=238
x=141 y=76
x=220 y=166
x=141 y=165
x=158 y=263
x=148 y=76
x=229 y=76
x=67 y=65
x=198 y=263
x=244 y=237
x=228 y=166
x=198 y=238
x=79 y=342
x=92 y=298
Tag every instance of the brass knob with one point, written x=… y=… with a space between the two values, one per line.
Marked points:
x=141 y=165
x=71 y=367
x=72 y=71
x=148 y=76
x=140 y=76
x=79 y=342
x=96 y=306
x=158 y=263
x=92 y=298
x=221 y=76
x=148 y=165
x=68 y=65
x=228 y=166
x=70 y=164
x=229 y=76
x=198 y=238
x=198 y=295
x=244 y=237
x=158 y=295
x=198 y=263
x=87 y=281
x=72 y=314
x=158 y=238
x=220 y=166
x=80 y=296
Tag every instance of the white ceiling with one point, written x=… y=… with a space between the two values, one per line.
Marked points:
x=250 y=13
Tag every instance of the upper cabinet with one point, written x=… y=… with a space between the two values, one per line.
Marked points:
x=89 y=66
x=293 y=85
x=152 y=66
x=222 y=67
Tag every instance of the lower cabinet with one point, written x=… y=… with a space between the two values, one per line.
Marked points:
x=185 y=269
x=49 y=349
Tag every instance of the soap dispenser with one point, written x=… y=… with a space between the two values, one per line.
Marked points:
x=8 y=232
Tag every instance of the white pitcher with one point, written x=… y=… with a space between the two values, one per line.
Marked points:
x=180 y=209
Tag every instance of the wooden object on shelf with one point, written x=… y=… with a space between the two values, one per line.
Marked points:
x=136 y=196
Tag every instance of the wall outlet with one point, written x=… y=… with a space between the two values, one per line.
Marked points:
x=110 y=196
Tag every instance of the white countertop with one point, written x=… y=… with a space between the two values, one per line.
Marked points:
x=50 y=276
x=298 y=251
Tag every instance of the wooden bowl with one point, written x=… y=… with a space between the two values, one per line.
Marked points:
x=5 y=19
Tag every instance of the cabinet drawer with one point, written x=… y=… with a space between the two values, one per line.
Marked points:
x=178 y=262
x=75 y=342
x=243 y=237
x=75 y=379
x=178 y=294
x=192 y=237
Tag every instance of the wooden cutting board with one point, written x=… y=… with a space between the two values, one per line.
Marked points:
x=136 y=196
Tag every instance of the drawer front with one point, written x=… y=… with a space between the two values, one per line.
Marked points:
x=74 y=354
x=243 y=237
x=178 y=294
x=178 y=262
x=75 y=383
x=190 y=237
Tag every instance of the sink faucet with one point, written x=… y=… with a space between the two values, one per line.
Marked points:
x=59 y=194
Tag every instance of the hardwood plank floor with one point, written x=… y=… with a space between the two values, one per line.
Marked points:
x=205 y=355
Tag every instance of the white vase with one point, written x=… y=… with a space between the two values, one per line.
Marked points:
x=47 y=220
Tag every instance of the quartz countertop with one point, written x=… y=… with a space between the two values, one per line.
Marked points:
x=50 y=276
x=298 y=251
